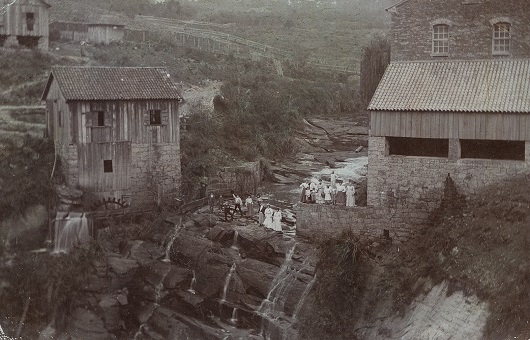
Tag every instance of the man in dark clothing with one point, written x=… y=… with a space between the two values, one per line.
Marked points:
x=228 y=211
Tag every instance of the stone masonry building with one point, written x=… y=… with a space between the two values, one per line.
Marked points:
x=454 y=100
x=116 y=132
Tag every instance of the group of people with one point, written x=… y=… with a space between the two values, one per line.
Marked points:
x=267 y=217
x=336 y=192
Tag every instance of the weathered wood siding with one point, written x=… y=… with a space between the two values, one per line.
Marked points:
x=457 y=125
x=14 y=20
x=105 y=34
x=58 y=120
x=125 y=121
x=91 y=172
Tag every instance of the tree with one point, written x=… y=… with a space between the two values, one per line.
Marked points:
x=376 y=58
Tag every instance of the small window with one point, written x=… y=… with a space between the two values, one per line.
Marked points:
x=492 y=149
x=501 y=38
x=423 y=147
x=101 y=118
x=155 y=117
x=107 y=165
x=440 y=40
x=30 y=21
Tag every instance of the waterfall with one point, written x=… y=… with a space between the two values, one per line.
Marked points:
x=306 y=292
x=71 y=229
x=158 y=294
x=174 y=233
x=227 y=282
x=234 y=242
x=233 y=319
x=278 y=285
x=193 y=281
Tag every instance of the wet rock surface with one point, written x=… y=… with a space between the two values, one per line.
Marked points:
x=202 y=279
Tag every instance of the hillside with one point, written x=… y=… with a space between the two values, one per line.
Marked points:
x=466 y=275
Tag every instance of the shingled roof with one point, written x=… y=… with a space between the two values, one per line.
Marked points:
x=112 y=83
x=458 y=86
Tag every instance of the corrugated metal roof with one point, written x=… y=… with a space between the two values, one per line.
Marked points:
x=461 y=86
x=113 y=83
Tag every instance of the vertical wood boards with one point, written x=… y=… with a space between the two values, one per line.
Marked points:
x=15 y=19
x=477 y=125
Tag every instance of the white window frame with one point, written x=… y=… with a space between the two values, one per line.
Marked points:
x=501 y=41
x=440 y=40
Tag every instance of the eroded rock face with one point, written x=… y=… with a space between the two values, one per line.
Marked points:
x=212 y=271
x=87 y=325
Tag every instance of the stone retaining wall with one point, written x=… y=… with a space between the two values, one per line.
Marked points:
x=320 y=220
x=417 y=182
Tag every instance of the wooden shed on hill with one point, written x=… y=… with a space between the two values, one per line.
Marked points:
x=105 y=31
x=116 y=131
x=24 y=23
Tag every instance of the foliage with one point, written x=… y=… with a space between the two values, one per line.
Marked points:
x=341 y=270
x=51 y=283
x=376 y=58
x=482 y=249
x=24 y=174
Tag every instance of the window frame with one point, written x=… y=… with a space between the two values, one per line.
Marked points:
x=485 y=149
x=107 y=166
x=496 y=38
x=417 y=147
x=155 y=117
x=30 y=21
x=435 y=38
x=100 y=118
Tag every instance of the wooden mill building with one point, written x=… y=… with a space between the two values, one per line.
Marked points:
x=105 y=31
x=455 y=100
x=116 y=131
x=24 y=23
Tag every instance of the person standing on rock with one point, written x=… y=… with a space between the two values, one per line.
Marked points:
x=350 y=195
x=237 y=203
x=211 y=202
x=277 y=221
x=268 y=218
x=327 y=194
x=249 y=205
x=341 y=194
x=320 y=193
x=228 y=211
x=305 y=187
x=333 y=178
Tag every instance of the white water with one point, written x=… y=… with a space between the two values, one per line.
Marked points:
x=301 y=302
x=193 y=281
x=227 y=282
x=351 y=168
x=174 y=234
x=158 y=294
x=71 y=229
x=233 y=319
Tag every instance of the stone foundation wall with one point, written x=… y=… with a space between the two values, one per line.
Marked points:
x=69 y=165
x=320 y=220
x=417 y=182
x=155 y=174
x=242 y=179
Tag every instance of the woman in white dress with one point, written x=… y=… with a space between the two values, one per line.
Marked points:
x=268 y=218
x=350 y=192
x=277 y=220
x=327 y=194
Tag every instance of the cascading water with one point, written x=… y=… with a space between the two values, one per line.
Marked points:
x=233 y=319
x=71 y=229
x=174 y=234
x=193 y=281
x=234 y=242
x=158 y=294
x=301 y=302
x=227 y=282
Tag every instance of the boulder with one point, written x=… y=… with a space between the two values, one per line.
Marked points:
x=86 y=325
x=188 y=247
x=215 y=233
x=257 y=275
x=122 y=266
x=110 y=310
x=156 y=277
x=144 y=251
